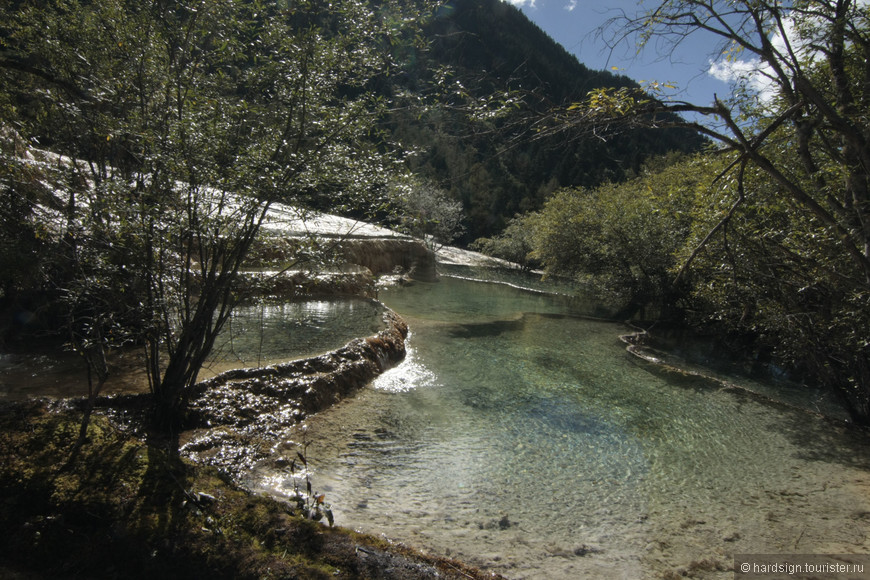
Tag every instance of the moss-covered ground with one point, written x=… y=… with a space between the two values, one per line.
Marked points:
x=125 y=509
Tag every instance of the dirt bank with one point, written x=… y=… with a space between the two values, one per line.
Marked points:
x=127 y=510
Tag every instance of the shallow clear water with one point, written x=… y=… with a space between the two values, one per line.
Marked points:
x=257 y=334
x=523 y=438
x=279 y=331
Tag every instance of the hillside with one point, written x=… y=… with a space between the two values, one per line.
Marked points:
x=498 y=168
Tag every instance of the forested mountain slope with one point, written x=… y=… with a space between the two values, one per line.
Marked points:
x=498 y=167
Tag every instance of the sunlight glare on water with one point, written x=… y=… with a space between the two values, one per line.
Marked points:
x=263 y=332
x=410 y=374
x=521 y=437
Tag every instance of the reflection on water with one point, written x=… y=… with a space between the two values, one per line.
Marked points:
x=257 y=334
x=523 y=438
x=270 y=332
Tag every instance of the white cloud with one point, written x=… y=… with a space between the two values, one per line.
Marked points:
x=571 y=5
x=755 y=75
x=521 y=3
x=750 y=74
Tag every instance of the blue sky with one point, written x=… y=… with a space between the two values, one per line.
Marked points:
x=573 y=24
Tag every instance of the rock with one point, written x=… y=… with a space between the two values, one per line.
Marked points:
x=584 y=550
x=205 y=498
x=502 y=524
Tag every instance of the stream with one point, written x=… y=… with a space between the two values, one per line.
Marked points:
x=520 y=436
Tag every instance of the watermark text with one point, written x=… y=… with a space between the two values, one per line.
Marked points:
x=821 y=566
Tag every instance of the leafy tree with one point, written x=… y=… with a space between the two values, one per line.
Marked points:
x=427 y=212
x=796 y=127
x=514 y=244
x=776 y=276
x=811 y=55
x=620 y=239
x=182 y=122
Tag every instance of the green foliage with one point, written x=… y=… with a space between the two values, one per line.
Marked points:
x=728 y=252
x=485 y=80
x=20 y=231
x=514 y=244
x=780 y=243
x=427 y=213
x=180 y=124
x=776 y=274
x=620 y=239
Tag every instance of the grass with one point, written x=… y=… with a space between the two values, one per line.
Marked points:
x=125 y=509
